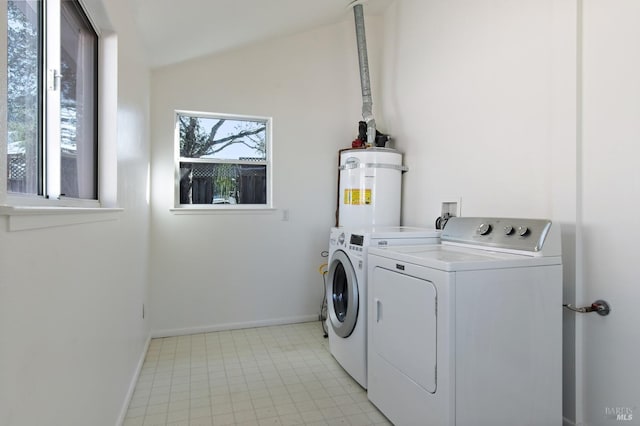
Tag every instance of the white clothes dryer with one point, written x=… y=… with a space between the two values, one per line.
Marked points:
x=469 y=332
x=347 y=288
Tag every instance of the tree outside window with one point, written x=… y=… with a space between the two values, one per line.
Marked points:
x=223 y=160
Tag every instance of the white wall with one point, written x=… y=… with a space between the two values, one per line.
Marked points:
x=71 y=329
x=610 y=199
x=467 y=95
x=224 y=270
x=481 y=97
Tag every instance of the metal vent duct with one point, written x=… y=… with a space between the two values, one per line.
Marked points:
x=365 y=84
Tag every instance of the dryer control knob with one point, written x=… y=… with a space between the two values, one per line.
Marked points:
x=508 y=230
x=523 y=230
x=484 y=229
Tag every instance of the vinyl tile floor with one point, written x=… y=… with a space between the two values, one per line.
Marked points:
x=280 y=375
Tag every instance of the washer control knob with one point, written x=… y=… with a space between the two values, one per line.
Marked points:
x=341 y=239
x=523 y=230
x=484 y=229
x=508 y=230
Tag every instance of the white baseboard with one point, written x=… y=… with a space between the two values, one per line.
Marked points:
x=232 y=326
x=567 y=422
x=132 y=384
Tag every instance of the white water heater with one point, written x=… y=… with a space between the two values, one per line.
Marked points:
x=370 y=187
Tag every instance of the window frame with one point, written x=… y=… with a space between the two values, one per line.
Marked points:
x=50 y=146
x=267 y=162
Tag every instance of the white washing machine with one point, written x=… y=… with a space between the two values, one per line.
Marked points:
x=347 y=288
x=469 y=332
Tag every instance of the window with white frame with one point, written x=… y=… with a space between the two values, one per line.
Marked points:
x=52 y=100
x=223 y=161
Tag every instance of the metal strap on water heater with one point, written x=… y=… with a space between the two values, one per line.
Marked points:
x=350 y=166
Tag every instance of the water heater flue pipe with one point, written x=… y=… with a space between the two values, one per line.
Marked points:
x=365 y=84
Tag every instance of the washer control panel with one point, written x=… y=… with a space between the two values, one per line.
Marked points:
x=505 y=233
x=356 y=243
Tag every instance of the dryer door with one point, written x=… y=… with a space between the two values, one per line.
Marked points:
x=404 y=326
x=342 y=294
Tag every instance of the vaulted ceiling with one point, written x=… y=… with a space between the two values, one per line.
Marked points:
x=178 y=30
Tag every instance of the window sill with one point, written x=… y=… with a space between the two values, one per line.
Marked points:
x=22 y=218
x=222 y=210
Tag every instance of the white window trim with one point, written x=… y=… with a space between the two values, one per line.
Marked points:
x=220 y=208
x=51 y=119
x=31 y=211
x=25 y=218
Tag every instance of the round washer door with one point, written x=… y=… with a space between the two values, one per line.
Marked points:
x=342 y=294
